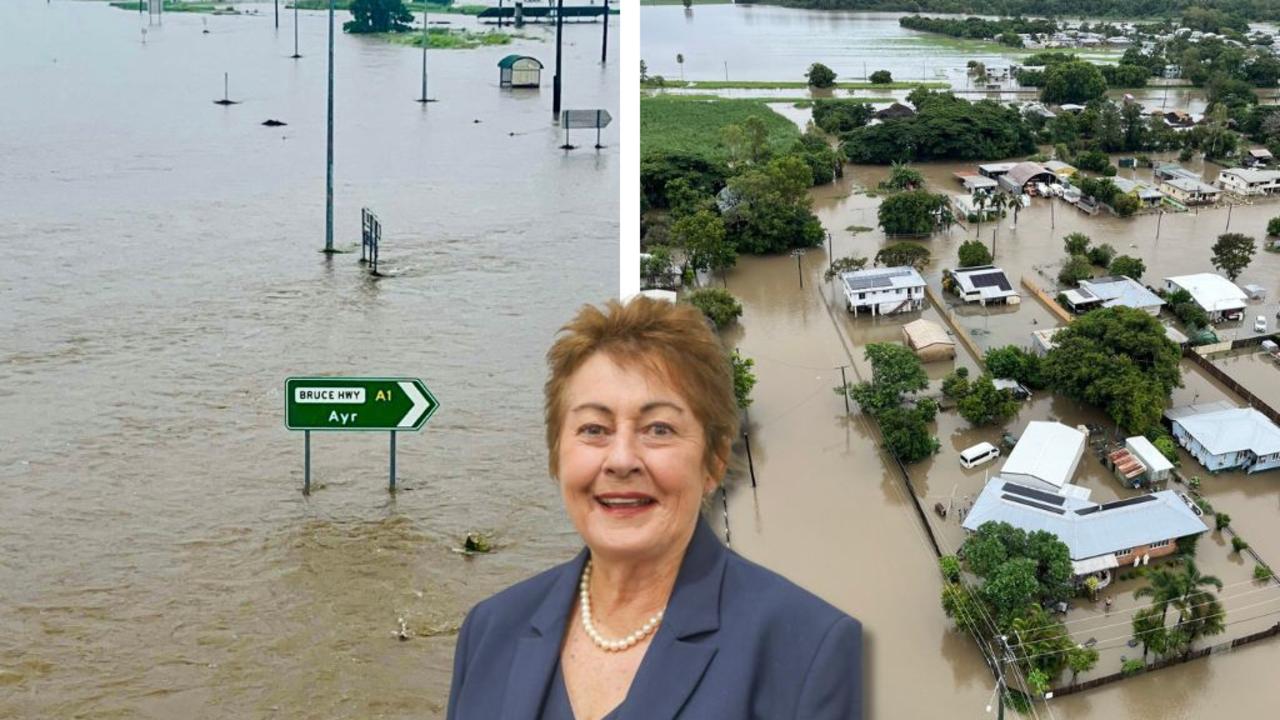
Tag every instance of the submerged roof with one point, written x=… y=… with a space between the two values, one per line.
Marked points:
x=923 y=333
x=1121 y=290
x=1210 y=291
x=1023 y=172
x=989 y=279
x=1233 y=430
x=1088 y=529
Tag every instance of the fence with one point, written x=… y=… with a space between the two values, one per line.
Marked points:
x=1217 y=374
x=1160 y=664
x=1047 y=301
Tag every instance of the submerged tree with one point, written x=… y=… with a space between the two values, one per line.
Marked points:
x=378 y=16
x=1233 y=252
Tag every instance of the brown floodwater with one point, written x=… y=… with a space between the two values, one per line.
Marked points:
x=161 y=280
x=828 y=512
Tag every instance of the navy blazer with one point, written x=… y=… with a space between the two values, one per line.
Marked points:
x=737 y=641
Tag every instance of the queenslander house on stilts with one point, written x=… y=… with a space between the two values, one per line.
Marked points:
x=883 y=291
x=1224 y=437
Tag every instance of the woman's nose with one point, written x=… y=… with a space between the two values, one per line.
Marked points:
x=623 y=459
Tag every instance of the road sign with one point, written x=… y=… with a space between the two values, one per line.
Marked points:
x=333 y=403
x=579 y=119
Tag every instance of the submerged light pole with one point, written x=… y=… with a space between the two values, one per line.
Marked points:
x=328 y=177
x=426 y=40
x=604 y=40
x=295 y=55
x=555 y=92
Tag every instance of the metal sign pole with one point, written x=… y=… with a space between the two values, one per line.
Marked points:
x=295 y=30
x=393 y=461
x=306 y=462
x=328 y=183
x=555 y=95
x=604 y=40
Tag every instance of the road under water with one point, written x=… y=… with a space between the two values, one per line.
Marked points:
x=160 y=281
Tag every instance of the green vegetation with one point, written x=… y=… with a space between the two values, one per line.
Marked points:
x=983 y=404
x=1184 y=589
x=771 y=212
x=1185 y=309
x=903 y=254
x=820 y=76
x=1119 y=360
x=1238 y=544
x=949 y=565
x=914 y=212
x=974 y=253
x=1014 y=363
x=720 y=307
x=844 y=265
x=1273 y=227
x=1072 y=82
x=1233 y=252
x=1128 y=266
x=944 y=127
x=1224 y=14
x=178 y=6
x=378 y=16
x=978 y=28
x=840 y=116
x=695 y=127
x=448 y=39
x=1075 y=269
x=412 y=5
x=744 y=379
x=881 y=78
x=1261 y=572
x=895 y=370
x=1221 y=520
x=787 y=84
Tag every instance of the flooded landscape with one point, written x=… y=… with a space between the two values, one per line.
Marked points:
x=162 y=279
x=830 y=508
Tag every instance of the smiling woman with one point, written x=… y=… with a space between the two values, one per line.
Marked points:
x=655 y=618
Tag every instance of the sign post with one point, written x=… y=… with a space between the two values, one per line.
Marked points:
x=370 y=236
x=356 y=404
x=573 y=119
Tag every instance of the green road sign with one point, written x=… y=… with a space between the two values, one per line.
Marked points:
x=334 y=403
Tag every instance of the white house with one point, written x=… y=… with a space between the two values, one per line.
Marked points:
x=883 y=291
x=1222 y=438
x=1046 y=456
x=984 y=284
x=1216 y=295
x=1121 y=290
x=1189 y=191
x=1250 y=181
x=1042 y=340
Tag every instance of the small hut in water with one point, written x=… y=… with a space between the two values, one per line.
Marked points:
x=519 y=71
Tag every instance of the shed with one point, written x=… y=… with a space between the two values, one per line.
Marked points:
x=519 y=71
x=929 y=340
x=1046 y=455
x=1157 y=465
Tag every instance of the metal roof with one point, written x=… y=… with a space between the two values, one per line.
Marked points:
x=1046 y=451
x=1252 y=175
x=1122 y=290
x=510 y=60
x=1233 y=430
x=1212 y=292
x=923 y=333
x=1024 y=172
x=1150 y=456
x=1089 y=530
x=1190 y=185
x=874 y=278
x=982 y=276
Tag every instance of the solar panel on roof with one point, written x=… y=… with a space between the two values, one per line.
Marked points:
x=1028 y=503
x=1040 y=495
x=1125 y=503
x=992 y=279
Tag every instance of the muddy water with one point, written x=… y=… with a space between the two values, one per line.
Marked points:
x=162 y=279
x=1253 y=368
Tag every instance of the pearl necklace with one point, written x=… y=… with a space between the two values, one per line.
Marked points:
x=584 y=603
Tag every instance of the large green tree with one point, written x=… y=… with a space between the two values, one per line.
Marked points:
x=903 y=254
x=1076 y=81
x=702 y=237
x=1130 y=267
x=895 y=370
x=771 y=212
x=974 y=253
x=820 y=76
x=983 y=404
x=1118 y=359
x=914 y=212
x=1233 y=252
x=378 y=16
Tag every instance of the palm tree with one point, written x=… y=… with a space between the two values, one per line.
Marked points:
x=1192 y=584
x=1206 y=617
x=1163 y=588
x=1148 y=629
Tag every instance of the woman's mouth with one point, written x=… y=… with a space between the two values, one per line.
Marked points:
x=625 y=504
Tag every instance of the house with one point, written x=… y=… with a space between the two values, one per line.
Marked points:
x=516 y=71
x=1250 y=181
x=929 y=340
x=883 y=291
x=1258 y=156
x=1222 y=438
x=1170 y=171
x=1112 y=291
x=977 y=184
x=1140 y=463
x=1024 y=174
x=1216 y=295
x=1062 y=170
x=984 y=284
x=1046 y=456
x=1042 y=340
x=1099 y=538
x=896 y=111
x=995 y=170
x=1146 y=195
x=1190 y=192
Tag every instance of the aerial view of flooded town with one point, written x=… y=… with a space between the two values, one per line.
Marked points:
x=1004 y=292
x=163 y=185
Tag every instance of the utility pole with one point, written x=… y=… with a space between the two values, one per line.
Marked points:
x=328 y=181
x=295 y=30
x=426 y=40
x=555 y=92
x=844 y=389
x=830 y=257
x=799 y=253
x=1230 y=207
x=277 y=14
x=604 y=39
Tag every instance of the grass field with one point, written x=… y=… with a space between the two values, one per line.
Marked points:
x=789 y=85
x=694 y=125
x=442 y=39
x=414 y=7
x=191 y=7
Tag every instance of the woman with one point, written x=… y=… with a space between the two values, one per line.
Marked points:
x=655 y=619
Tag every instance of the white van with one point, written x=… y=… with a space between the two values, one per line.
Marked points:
x=978 y=454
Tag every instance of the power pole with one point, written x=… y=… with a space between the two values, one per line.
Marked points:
x=295 y=30
x=426 y=40
x=604 y=41
x=328 y=181
x=277 y=14
x=844 y=389
x=555 y=93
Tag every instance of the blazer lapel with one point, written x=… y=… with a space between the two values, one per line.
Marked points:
x=538 y=651
x=686 y=641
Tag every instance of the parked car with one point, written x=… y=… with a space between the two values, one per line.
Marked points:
x=1260 y=324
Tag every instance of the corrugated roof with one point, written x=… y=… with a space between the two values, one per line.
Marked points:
x=891 y=277
x=1122 y=290
x=1149 y=454
x=1212 y=292
x=1046 y=451
x=510 y=60
x=1025 y=171
x=923 y=333
x=1233 y=430
x=1088 y=530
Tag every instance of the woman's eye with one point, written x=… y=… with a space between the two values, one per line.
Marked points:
x=662 y=429
x=591 y=429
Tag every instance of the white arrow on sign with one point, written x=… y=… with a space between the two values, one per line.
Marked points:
x=420 y=405
x=579 y=119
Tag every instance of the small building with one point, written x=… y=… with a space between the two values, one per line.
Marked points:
x=986 y=284
x=1255 y=292
x=929 y=340
x=1250 y=181
x=977 y=184
x=1146 y=195
x=1042 y=340
x=1225 y=438
x=1062 y=170
x=1139 y=463
x=896 y=111
x=1190 y=192
x=995 y=170
x=1113 y=291
x=1099 y=538
x=516 y=71
x=1216 y=295
x=1169 y=171
x=883 y=291
x=1046 y=456
x=1024 y=174
x=1258 y=157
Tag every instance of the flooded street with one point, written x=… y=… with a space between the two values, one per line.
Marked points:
x=162 y=279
